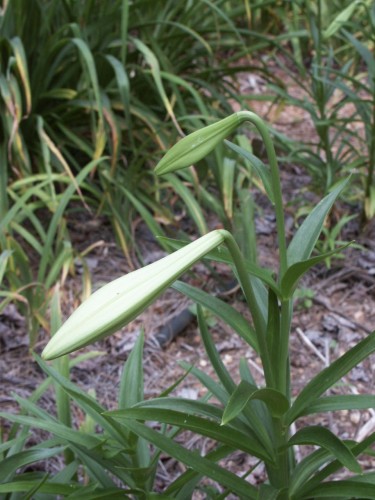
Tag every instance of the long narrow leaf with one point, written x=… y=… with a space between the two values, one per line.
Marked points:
x=297 y=270
x=209 y=428
x=199 y=464
x=337 y=403
x=330 y=375
x=304 y=240
x=232 y=317
x=319 y=436
x=245 y=392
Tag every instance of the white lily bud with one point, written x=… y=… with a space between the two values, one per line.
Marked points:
x=117 y=303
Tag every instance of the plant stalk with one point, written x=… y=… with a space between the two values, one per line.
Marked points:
x=259 y=321
x=276 y=185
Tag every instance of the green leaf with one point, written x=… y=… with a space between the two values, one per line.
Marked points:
x=304 y=240
x=205 y=427
x=261 y=169
x=329 y=376
x=305 y=468
x=88 y=59
x=195 y=461
x=50 y=488
x=228 y=175
x=331 y=468
x=256 y=423
x=84 y=400
x=273 y=330
x=22 y=67
x=195 y=407
x=319 y=436
x=4 y=256
x=337 y=403
x=131 y=386
x=122 y=85
x=341 y=19
x=345 y=488
x=268 y=492
x=245 y=392
x=213 y=387
x=153 y=62
x=148 y=218
x=232 y=317
x=213 y=355
x=57 y=216
x=61 y=431
x=130 y=393
x=191 y=204
x=14 y=462
x=186 y=482
x=290 y=279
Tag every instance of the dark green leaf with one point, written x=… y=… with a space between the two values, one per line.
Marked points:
x=232 y=317
x=297 y=270
x=209 y=428
x=305 y=468
x=261 y=169
x=304 y=240
x=319 y=436
x=131 y=386
x=245 y=392
x=329 y=376
x=344 y=488
x=337 y=403
x=14 y=462
x=213 y=355
x=195 y=461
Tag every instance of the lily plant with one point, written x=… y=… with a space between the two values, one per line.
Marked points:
x=257 y=420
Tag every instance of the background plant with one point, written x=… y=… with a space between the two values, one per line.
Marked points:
x=254 y=419
x=325 y=154
x=359 y=90
x=84 y=82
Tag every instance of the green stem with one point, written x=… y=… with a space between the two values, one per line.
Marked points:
x=283 y=372
x=278 y=376
x=62 y=402
x=275 y=180
x=279 y=476
x=258 y=318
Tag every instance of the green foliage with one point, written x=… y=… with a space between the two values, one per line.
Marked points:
x=101 y=458
x=90 y=92
x=91 y=83
x=331 y=65
x=238 y=416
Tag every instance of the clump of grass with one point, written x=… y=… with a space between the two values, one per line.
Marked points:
x=106 y=84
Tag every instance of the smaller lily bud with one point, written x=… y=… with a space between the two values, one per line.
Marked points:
x=119 y=302
x=197 y=145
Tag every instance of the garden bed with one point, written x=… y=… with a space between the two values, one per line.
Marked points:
x=334 y=312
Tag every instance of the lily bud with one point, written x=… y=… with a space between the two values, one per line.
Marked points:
x=117 y=303
x=197 y=145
